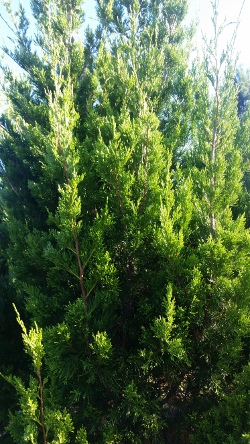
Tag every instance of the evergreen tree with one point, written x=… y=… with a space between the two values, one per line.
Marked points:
x=242 y=81
x=119 y=175
x=221 y=263
x=243 y=84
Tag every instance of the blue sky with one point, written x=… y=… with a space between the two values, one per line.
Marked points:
x=198 y=9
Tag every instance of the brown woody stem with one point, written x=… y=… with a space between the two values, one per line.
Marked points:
x=42 y=406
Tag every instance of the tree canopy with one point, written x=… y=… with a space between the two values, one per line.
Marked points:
x=124 y=233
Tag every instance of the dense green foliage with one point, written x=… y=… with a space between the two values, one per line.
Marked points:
x=124 y=243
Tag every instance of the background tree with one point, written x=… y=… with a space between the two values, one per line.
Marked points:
x=242 y=81
x=243 y=85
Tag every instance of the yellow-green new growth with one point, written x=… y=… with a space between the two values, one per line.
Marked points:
x=32 y=341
